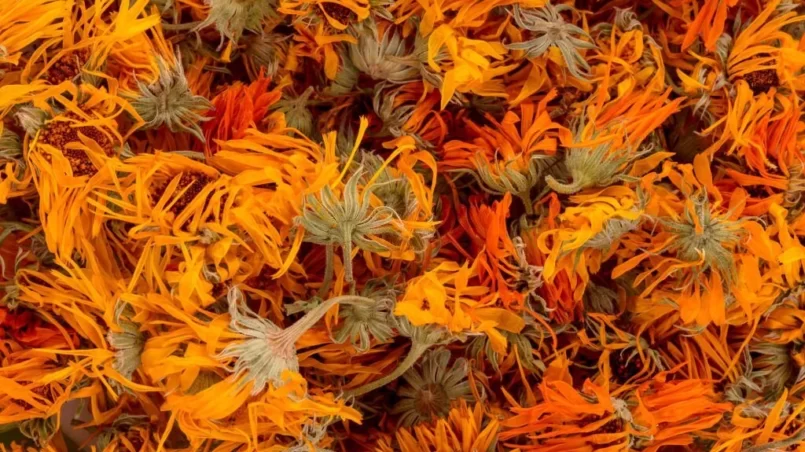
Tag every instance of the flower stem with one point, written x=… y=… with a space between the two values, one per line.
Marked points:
x=417 y=349
x=779 y=445
x=565 y=189
x=295 y=331
x=525 y=197
x=180 y=27
x=346 y=246
x=328 y=270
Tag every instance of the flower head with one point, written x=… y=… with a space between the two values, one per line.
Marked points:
x=233 y=17
x=431 y=388
x=702 y=233
x=381 y=56
x=550 y=30
x=267 y=354
x=347 y=220
x=128 y=342
x=169 y=102
x=360 y=323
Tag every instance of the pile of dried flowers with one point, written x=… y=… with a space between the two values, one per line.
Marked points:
x=414 y=225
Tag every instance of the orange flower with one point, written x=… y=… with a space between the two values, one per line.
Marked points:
x=235 y=110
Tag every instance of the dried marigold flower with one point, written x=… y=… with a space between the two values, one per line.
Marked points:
x=169 y=102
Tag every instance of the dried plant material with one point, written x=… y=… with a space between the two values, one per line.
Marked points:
x=402 y=225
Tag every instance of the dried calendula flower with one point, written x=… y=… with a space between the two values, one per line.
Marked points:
x=773 y=368
x=268 y=350
x=702 y=233
x=597 y=165
x=232 y=17
x=431 y=388
x=380 y=57
x=521 y=342
x=614 y=229
x=550 y=30
x=361 y=322
x=40 y=430
x=393 y=116
x=265 y=52
x=395 y=192
x=297 y=114
x=169 y=102
x=600 y=299
x=128 y=342
x=510 y=177
x=347 y=221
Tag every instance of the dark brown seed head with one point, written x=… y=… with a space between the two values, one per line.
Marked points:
x=195 y=182
x=339 y=12
x=67 y=67
x=613 y=426
x=624 y=368
x=263 y=280
x=762 y=81
x=60 y=133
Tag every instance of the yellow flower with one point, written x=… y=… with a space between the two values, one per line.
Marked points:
x=471 y=70
x=444 y=297
x=464 y=430
x=593 y=226
x=23 y=23
x=87 y=42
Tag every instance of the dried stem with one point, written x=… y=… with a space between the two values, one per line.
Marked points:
x=417 y=350
x=328 y=270
x=779 y=445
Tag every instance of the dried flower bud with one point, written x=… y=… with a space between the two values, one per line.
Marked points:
x=169 y=102
x=297 y=115
x=360 y=322
x=772 y=368
x=128 y=342
x=393 y=117
x=380 y=57
x=510 y=177
x=551 y=30
x=598 y=166
x=266 y=52
x=268 y=350
x=40 y=430
x=703 y=233
x=10 y=147
x=232 y=17
x=350 y=221
x=431 y=389
x=613 y=230
x=600 y=299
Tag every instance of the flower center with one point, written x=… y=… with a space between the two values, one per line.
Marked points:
x=432 y=401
